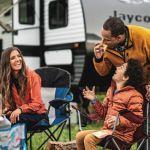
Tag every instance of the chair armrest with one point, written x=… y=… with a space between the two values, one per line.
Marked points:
x=92 y=117
x=56 y=103
x=131 y=116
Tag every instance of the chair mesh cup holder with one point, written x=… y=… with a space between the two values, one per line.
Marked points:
x=63 y=110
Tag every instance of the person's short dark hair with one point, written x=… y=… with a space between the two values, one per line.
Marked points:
x=135 y=72
x=115 y=25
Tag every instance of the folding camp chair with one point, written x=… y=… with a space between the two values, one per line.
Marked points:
x=13 y=138
x=55 y=86
x=111 y=141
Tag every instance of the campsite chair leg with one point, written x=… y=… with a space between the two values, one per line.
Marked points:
x=51 y=134
x=115 y=144
x=61 y=129
x=104 y=148
x=30 y=143
x=29 y=138
x=62 y=124
x=141 y=144
x=69 y=123
x=147 y=114
x=49 y=137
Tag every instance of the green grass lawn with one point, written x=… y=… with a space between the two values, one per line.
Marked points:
x=39 y=137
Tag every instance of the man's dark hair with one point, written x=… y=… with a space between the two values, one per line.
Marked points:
x=115 y=25
x=135 y=72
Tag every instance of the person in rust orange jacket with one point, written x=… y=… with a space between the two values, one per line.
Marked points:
x=20 y=89
x=124 y=42
x=120 y=95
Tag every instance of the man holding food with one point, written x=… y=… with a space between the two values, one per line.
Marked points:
x=121 y=43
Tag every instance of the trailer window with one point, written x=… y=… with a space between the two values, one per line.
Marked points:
x=58 y=14
x=26 y=12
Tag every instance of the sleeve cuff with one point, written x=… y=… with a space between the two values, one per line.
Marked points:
x=98 y=60
x=20 y=109
x=94 y=101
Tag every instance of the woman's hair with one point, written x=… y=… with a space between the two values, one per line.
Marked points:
x=115 y=25
x=5 y=76
x=0 y=104
x=135 y=72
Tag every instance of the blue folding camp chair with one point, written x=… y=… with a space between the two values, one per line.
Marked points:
x=13 y=138
x=55 y=86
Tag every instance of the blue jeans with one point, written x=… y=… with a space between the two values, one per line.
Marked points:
x=30 y=120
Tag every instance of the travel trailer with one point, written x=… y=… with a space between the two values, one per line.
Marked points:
x=62 y=33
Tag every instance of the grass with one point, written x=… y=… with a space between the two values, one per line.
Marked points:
x=39 y=137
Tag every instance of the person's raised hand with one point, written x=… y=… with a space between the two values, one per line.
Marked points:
x=147 y=87
x=98 y=51
x=89 y=94
x=111 y=121
x=15 y=115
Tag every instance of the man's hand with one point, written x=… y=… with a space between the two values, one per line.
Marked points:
x=89 y=94
x=15 y=115
x=111 y=121
x=98 y=51
x=147 y=87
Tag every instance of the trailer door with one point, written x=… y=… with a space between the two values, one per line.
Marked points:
x=26 y=22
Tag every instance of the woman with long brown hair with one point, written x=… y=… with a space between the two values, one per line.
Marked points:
x=20 y=89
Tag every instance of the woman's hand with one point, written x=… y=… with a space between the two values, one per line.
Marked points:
x=89 y=94
x=15 y=115
x=7 y=111
x=147 y=87
x=111 y=121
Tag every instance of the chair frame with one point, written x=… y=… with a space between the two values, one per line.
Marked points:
x=51 y=136
x=45 y=128
x=114 y=128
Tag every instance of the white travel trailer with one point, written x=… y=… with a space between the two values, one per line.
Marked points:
x=62 y=33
